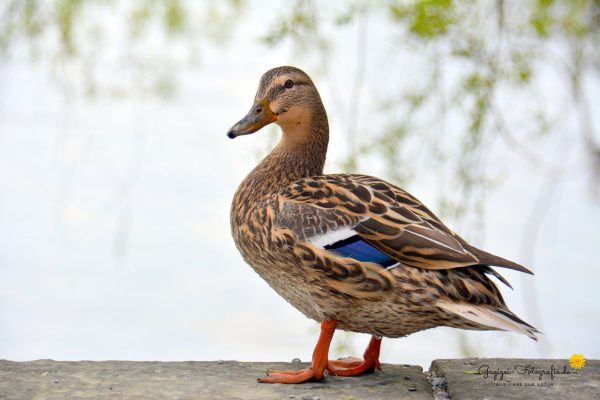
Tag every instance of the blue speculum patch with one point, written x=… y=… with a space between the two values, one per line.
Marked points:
x=355 y=247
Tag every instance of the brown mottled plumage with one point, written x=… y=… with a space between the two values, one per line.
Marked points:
x=287 y=219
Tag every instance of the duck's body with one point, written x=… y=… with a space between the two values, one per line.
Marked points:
x=361 y=296
x=352 y=251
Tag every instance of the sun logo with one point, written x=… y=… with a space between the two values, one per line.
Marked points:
x=577 y=361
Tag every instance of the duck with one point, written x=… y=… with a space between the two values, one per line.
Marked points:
x=352 y=252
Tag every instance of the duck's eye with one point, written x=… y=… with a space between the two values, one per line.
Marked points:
x=289 y=84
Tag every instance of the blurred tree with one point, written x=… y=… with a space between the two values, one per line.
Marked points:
x=475 y=51
x=475 y=54
x=112 y=48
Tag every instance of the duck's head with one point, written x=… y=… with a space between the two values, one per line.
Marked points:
x=286 y=96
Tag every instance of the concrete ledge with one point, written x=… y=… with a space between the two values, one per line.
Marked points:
x=463 y=379
x=514 y=378
x=229 y=380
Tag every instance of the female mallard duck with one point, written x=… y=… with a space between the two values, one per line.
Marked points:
x=352 y=251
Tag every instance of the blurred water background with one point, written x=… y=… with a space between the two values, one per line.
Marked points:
x=116 y=176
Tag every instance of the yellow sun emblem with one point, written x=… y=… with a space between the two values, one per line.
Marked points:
x=577 y=361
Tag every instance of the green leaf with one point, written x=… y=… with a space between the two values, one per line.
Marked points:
x=426 y=18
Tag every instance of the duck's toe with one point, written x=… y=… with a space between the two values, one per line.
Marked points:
x=299 y=376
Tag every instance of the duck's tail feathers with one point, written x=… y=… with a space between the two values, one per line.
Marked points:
x=486 y=258
x=495 y=318
x=489 y=270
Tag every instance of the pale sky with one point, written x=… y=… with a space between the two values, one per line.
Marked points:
x=76 y=175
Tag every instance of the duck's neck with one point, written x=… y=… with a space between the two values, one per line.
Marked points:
x=300 y=153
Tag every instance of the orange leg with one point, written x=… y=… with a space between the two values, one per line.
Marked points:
x=351 y=366
x=319 y=360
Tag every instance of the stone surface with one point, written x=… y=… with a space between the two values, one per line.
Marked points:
x=464 y=379
x=510 y=378
x=46 y=379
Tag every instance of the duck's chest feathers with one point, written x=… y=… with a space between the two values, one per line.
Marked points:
x=252 y=225
x=252 y=230
x=256 y=203
x=266 y=247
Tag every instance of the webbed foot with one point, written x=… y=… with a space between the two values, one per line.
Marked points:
x=352 y=366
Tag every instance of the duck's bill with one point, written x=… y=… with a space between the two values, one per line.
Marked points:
x=259 y=115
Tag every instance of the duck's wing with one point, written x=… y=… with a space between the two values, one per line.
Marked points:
x=349 y=276
x=368 y=219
